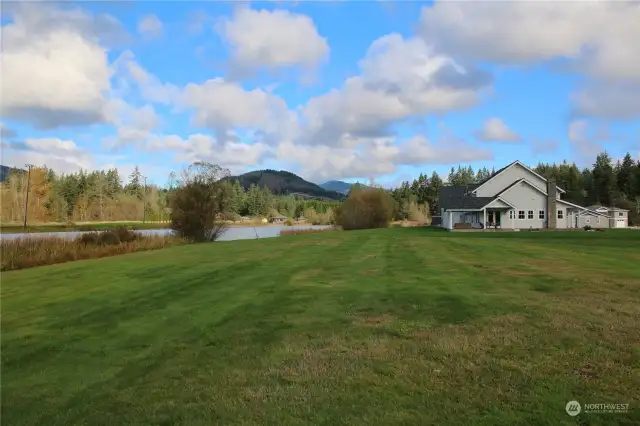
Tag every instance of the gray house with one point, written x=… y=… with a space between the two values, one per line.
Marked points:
x=618 y=218
x=514 y=197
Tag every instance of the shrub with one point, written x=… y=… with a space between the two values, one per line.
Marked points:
x=108 y=238
x=288 y=222
x=194 y=208
x=365 y=209
x=125 y=235
x=587 y=227
x=91 y=238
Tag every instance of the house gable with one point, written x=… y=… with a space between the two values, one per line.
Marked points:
x=525 y=196
x=507 y=176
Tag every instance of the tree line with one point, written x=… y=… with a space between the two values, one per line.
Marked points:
x=604 y=183
x=104 y=196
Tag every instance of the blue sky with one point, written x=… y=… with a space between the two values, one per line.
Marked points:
x=328 y=90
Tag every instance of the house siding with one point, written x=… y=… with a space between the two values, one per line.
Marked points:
x=500 y=181
x=526 y=198
x=592 y=220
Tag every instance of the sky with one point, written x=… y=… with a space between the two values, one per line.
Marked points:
x=348 y=90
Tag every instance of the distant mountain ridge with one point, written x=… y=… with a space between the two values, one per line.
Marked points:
x=282 y=182
x=339 y=186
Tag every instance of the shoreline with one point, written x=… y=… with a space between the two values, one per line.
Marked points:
x=101 y=226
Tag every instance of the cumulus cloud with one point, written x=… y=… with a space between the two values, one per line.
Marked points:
x=378 y=157
x=43 y=81
x=272 y=39
x=495 y=130
x=150 y=26
x=617 y=101
x=400 y=79
x=234 y=155
x=583 y=141
x=595 y=34
x=61 y=155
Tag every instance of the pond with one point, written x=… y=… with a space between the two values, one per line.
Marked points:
x=231 y=234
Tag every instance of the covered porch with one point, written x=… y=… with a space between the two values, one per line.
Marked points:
x=494 y=215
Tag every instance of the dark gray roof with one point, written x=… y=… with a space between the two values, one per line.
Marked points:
x=468 y=202
x=452 y=197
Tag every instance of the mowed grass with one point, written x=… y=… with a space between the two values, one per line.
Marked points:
x=394 y=326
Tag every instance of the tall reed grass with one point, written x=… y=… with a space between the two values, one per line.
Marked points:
x=21 y=253
x=286 y=232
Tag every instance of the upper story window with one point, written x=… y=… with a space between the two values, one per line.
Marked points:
x=620 y=214
x=560 y=214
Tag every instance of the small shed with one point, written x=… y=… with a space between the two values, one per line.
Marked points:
x=278 y=219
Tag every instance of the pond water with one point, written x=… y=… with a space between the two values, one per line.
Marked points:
x=231 y=234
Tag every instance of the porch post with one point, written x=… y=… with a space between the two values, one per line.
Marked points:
x=484 y=218
x=450 y=220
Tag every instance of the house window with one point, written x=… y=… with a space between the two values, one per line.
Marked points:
x=530 y=215
x=541 y=214
x=620 y=214
x=560 y=214
x=512 y=214
x=520 y=214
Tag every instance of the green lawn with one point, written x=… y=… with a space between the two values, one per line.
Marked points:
x=397 y=326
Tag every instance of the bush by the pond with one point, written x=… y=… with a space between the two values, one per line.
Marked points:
x=365 y=209
x=28 y=252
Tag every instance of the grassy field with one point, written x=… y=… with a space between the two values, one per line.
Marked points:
x=395 y=326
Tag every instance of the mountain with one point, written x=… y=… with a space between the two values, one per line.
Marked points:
x=283 y=182
x=5 y=170
x=339 y=186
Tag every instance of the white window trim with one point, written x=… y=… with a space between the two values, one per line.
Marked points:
x=541 y=214
x=530 y=214
x=524 y=214
x=560 y=214
x=512 y=214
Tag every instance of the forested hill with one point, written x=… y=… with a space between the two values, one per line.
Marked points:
x=283 y=182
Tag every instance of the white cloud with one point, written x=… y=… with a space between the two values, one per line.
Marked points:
x=618 y=101
x=378 y=157
x=584 y=143
x=400 y=79
x=133 y=125
x=495 y=130
x=221 y=106
x=150 y=26
x=61 y=155
x=199 y=147
x=597 y=35
x=273 y=39
x=43 y=80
